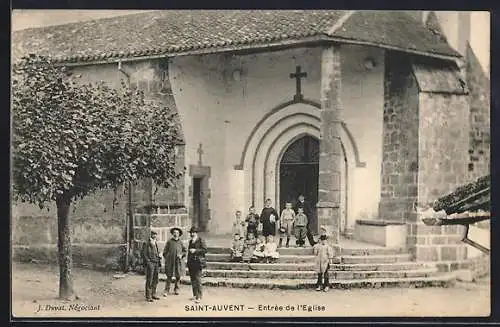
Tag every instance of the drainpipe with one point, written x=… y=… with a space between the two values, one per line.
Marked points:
x=120 y=68
x=130 y=216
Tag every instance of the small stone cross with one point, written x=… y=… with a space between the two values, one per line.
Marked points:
x=200 y=153
x=298 y=75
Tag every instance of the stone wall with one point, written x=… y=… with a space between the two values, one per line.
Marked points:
x=161 y=221
x=99 y=221
x=436 y=243
x=426 y=124
x=480 y=135
x=88 y=255
x=443 y=144
x=425 y=153
x=479 y=266
x=98 y=229
x=400 y=139
x=152 y=77
x=99 y=217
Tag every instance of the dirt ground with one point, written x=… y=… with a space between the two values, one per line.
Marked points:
x=35 y=290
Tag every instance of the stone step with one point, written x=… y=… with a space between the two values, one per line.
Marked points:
x=373 y=251
x=309 y=251
x=282 y=250
x=444 y=280
x=310 y=266
x=311 y=274
x=379 y=266
x=260 y=266
x=354 y=259
x=283 y=258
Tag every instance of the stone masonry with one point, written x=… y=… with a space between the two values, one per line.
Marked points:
x=399 y=186
x=330 y=145
x=165 y=208
x=480 y=136
x=443 y=160
x=426 y=124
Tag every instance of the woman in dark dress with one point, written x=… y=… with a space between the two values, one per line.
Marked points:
x=268 y=218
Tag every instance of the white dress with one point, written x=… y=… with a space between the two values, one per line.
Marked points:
x=270 y=251
x=259 y=250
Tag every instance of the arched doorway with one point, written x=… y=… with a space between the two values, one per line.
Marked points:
x=299 y=172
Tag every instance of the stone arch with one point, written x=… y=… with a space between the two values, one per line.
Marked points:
x=308 y=103
x=275 y=153
x=282 y=124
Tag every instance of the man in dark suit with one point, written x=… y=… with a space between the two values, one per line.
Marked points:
x=196 y=262
x=308 y=212
x=152 y=263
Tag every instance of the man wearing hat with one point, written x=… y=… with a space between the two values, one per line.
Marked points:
x=174 y=253
x=152 y=263
x=196 y=262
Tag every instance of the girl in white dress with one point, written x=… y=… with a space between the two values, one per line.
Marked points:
x=271 y=250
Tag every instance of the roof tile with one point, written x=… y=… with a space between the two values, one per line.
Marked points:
x=180 y=30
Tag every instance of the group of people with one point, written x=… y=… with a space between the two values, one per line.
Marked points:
x=252 y=249
x=174 y=254
x=254 y=237
x=292 y=221
x=253 y=242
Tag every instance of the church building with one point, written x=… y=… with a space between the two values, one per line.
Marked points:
x=365 y=113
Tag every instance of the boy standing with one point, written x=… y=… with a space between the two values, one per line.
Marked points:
x=324 y=256
x=252 y=221
x=286 y=222
x=300 y=227
x=309 y=213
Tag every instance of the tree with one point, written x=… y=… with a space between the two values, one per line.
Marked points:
x=70 y=139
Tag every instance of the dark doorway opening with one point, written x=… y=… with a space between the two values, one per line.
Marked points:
x=197 y=204
x=299 y=172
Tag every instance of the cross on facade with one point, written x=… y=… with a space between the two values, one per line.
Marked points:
x=298 y=75
x=200 y=153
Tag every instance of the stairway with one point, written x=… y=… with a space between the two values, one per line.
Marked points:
x=358 y=267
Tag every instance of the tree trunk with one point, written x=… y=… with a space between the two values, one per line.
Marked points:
x=64 y=247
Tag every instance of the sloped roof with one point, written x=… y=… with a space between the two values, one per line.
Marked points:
x=432 y=22
x=436 y=77
x=470 y=197
x=393 y=28
x=174 y=32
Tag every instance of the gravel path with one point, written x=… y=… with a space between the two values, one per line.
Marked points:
x=34 y=287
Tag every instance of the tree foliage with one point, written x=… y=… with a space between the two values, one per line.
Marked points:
x=72 y=138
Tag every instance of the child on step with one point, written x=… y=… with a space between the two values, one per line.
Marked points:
x=239 y=225
x=300 y=227
x=237 y=248
x=324 y=257
x=286 y=223
x=252 y=221
x=258 y=254
x=270 y=250
x=250 y=248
